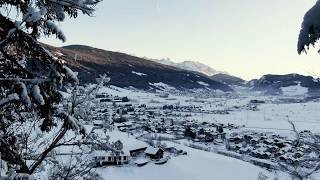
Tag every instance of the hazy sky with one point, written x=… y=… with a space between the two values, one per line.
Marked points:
x=247 y=38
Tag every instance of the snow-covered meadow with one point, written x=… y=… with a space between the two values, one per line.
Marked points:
x=197 y=165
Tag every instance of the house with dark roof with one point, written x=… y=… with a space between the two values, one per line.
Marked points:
x=154 y=153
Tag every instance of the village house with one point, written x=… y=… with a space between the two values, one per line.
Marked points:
x=103 y=158
x=137 y=150
x=154 y=153
x=123 y=126
x=98 y=96
x=116 y=100
x=98 y=123
x=105 y=100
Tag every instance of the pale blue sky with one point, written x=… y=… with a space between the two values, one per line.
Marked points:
x=247 y=38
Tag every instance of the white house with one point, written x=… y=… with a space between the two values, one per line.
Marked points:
x=108 y=158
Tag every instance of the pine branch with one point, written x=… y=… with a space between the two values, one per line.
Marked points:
x=10 y=98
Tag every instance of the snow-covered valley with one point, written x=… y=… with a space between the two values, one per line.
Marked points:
x=160 y=118
x=97 y=108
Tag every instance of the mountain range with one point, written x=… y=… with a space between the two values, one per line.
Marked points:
x=142 y=73
x=131 y=71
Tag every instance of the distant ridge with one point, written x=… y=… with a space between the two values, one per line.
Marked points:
x=130 y=71
x=228 y=79
x=276 y=84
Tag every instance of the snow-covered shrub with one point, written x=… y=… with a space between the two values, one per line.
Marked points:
x=306 y=166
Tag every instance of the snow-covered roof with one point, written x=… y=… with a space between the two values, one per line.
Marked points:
x=97 y=121
x=129 y=141
x=99 y=153
x=141 y=160
x=129 y=123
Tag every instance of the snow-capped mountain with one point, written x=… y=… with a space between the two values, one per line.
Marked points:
x=131 y=71
x=190 y=66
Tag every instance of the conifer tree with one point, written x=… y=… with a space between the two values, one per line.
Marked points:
x=30 y=75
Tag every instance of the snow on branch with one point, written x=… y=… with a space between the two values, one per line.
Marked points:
x=73 y=124
x=295 y=131
x=33 y=81
x=310 y=29
x=24 y=176
x=37 y=95
x=11 y=97
x=70 y=74
x=100 y=81
x=86 y=6
x=34 y=15
x=298 y=169
x=56 y=30
x=24 y=94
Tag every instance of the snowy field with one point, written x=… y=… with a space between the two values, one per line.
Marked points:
x=197 y=165
x=273 y=117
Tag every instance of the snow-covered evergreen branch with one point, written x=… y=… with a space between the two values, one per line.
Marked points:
x=310 y=29
x=10 y=98
x=29 y=91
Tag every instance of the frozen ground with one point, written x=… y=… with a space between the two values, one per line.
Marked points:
x=273 y=117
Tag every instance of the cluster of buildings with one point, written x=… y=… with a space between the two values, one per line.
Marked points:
x=176 y=120
x=267 y=146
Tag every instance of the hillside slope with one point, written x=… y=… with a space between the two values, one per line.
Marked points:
x=126 y=70
x=228 y=79
x=281 y=84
